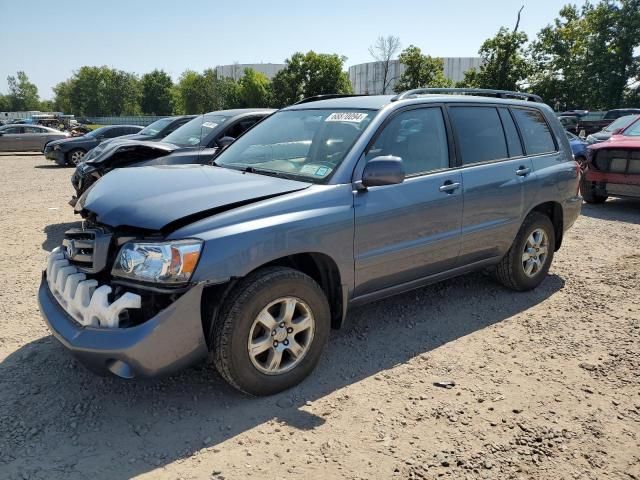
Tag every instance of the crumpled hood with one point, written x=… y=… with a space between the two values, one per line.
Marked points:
x=105 y=151
x=153 y=197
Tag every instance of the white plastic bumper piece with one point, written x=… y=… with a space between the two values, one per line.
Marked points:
x=83 y=299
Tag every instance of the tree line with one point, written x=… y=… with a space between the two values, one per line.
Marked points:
x=585 y=59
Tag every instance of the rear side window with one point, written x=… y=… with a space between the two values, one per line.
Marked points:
x=511 y=133
x=479 y=133
x=535 y=131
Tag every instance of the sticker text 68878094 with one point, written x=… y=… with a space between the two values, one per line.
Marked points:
x=356 y=117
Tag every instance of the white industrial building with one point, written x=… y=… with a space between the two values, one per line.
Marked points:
x=367 y=78
x=236 y=70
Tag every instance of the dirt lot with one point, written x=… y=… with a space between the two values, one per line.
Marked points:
x=547 y=383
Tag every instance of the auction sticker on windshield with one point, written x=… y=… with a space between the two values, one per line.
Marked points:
x=209 y=124
x=355 y=117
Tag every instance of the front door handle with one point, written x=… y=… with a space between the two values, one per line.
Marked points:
x=523 y=171
x=449 y=187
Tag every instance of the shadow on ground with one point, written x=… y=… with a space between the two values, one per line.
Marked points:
x=19 y=154
x=615 y=209
x=47 y=166
x=55 y=234
x=57 y=417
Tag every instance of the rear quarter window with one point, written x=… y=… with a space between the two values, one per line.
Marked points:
x=535 y=131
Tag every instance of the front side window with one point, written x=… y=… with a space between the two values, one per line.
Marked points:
x=308 y=144
x=535 y=131
x=98 y=132
x=479 y=133
x=12 y=130
x=418 y=136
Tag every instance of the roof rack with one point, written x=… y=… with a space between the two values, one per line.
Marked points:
x=482 y=92
x=326 y=96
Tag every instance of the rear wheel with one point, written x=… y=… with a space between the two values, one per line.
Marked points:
x=75 y=156
x=271 y=331
x=589 y=193
x=528 y=260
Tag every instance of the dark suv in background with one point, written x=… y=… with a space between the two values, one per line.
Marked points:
x=153 y=132
x=71 y=151
x=324 y=205
x=197 y=141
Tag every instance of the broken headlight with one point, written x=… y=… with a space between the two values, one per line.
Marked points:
x=159 y=262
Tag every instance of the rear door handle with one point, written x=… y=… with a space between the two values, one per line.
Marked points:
x=449 y=187
x=523 y=171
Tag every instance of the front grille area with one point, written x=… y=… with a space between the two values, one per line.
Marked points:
x=618 y=160
x=87 y=248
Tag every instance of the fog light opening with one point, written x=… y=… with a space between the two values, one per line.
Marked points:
x=119 y=368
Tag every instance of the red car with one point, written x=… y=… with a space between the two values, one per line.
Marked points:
x=613 y=168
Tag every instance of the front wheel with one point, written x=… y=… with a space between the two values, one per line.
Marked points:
x=271 y=331
x=528 y=260
x=75 y=156
x=589 y=193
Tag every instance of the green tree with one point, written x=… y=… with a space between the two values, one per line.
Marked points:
x=586 y=57
x=47 y=106
x=504 y=62
x=192 y=92
x=254 y=89
x=23 y=95
x=420 y=70
x=310 y=74
x=62 y=96
x=156 y=95
x=5 y=104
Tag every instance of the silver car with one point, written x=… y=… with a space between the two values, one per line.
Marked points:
x=27 y=138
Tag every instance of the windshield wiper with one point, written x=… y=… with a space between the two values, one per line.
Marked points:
x=261 y=171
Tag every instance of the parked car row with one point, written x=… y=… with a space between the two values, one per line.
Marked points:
x=172 y=141
x=278 y=222
x=25 y=138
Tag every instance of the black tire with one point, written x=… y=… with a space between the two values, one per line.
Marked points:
x=589 y=194
x=232 y=328
x=510 y=271
x=71 y=161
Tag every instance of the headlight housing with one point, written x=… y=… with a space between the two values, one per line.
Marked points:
x=159 y=262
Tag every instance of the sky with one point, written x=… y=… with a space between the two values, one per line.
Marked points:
x=50 y=39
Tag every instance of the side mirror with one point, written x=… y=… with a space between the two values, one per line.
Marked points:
x=224 y=142
x=385 y=170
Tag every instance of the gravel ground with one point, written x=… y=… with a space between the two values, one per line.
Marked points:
x=547 y=383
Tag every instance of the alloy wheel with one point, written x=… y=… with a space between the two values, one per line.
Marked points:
x=535 y=252
x=281 y=335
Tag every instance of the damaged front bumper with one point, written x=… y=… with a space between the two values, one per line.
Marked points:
x=169 y=341
x=57 y=156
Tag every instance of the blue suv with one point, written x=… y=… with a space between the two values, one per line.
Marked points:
x=326 y=204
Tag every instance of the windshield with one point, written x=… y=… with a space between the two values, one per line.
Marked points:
x=298 y=143
x=155 y=128
x=192 y=133
x=622 y=122
x=633 y=130
x=97 y=132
